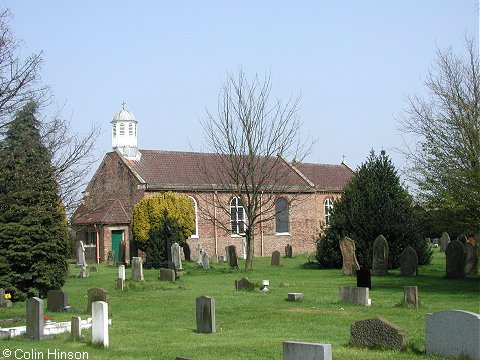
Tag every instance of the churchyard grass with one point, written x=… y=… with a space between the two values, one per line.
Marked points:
x=156 y=320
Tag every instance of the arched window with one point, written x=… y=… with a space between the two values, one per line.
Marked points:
x=130 y=129
x=281 y=216
x=237 y=216
x=328 y=206
x=195 y=232
x=122 y=129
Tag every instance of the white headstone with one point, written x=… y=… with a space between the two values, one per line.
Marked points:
x=176 y=256
x=81 y=254
x=137 y=269
x=121 y=272
x=453 y=333
x=100 y=323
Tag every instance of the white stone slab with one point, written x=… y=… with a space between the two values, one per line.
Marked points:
x=100 y=323
x=121 y=272
x=293 y=350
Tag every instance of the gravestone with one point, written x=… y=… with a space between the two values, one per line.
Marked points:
x=76 y=328
x=83 y=273
x=350 y=263
x=96 y=294
x=122 y=253
x=57 y=300
x=100 y=323
x=4 y=302
x=380 y=256
x=111 y=258
x=288 y=251
x=364 y=279
x=120 y=285
x=186 y=251
x=167 y=275
x=294 y=350
x=455 y=259
x=121 y=272
x=137 y=269
x=471 y=261
x=275 y=258
x=408 y=262
x=355 y=295
x=244 y=248
x=377 y=333
x=444 y=240
x=244 y=284
x=81 y=254
x=205 y=313
x=295 y=296
x=34 y=319
x=199 y=255
x=410 y=296
x=176 y=258
x=205 y=260
x=453 y=333
x=232 y=257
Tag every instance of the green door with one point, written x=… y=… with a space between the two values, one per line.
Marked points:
x=117 y=237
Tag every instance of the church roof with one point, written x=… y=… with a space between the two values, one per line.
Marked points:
x=158 y=168
x=112 y=213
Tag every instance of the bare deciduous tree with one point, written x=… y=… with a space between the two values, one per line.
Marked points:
x=444 y=158
x=250 y=137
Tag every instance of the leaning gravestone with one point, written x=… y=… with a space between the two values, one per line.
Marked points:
x=232 y=256
x=350 y=263
x=96 y=294
x=137 y=269
x=57 y=300
x=288 y=251
x=275 y=258
x=408 y=262
x=380 y=256
x=34 y=319
x=294 y=350
x=377 y=333
x=453 y=333
x=444 y=240
x=471 y=261
x=100 y=323
x=205 y=314
x=455 y=259
x=205 y=260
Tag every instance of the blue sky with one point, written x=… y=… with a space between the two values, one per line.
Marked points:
x=353 y=62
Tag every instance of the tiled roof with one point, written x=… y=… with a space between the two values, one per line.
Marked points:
x=157 y=167
x=175 y=168
x=112 y=213
x=326 y=176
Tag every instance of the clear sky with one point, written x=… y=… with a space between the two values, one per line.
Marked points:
x=353 y=62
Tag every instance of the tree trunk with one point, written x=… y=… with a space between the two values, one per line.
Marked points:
x=250 y=242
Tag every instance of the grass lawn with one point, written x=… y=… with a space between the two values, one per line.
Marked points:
x=156 y=320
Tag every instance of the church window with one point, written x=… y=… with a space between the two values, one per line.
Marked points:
x=281 y=216
x=130 y=129
x=328 y=205
x=90 y=238
x=122 y=129
x=195 y=231
x=237 y=216
x=114 y=129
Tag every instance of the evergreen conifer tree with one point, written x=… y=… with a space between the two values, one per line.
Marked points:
x=33 y=227
x=374 y=203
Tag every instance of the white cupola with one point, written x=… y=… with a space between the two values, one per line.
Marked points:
x=124 y=134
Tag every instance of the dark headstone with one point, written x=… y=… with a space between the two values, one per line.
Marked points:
x=34 y=318
x=377 y=333
x=205 y=314
x=96 y=294
x=57 y=300
x=455 y=258
x=364 y=278
x=471 y=263
x=408 y=262
x=288 y=251
x=380 y=256
x=232 y=256
x=122 y=257
x=243 y=284
x=275 y=258
x=186 y=251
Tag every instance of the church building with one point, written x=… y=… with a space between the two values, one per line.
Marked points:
x=127 y=174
